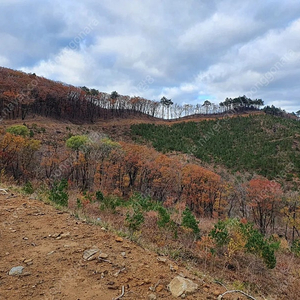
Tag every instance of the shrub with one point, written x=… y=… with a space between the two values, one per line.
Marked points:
x=295 y=248
x=220 y=234
x=163 y=217
x=76 y=142
x=99 y=196
x=135 y=219
x=111 y=203
x=189 y=221
x=145 y=203
x=59 y=194
x=27 y=188
x=18 y=130
x=236 y=235
x=31 y=133
x=78 y=203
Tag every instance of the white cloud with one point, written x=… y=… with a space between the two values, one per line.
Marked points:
x=4 y=61
x=190 y=49
x=218 y=31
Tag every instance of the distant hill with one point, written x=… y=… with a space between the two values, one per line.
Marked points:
x=262 y=144
x=24 y=94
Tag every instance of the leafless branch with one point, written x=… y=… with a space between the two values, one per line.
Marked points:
x=122 y=294
x=235 y=291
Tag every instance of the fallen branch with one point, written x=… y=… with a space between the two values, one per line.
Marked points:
x=118 y=272
x=123 y=292
x=235 y=291
x=220 y=283
x=3 y=190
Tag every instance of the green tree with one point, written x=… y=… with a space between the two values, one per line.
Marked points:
x=76 y=142
x=189 y=221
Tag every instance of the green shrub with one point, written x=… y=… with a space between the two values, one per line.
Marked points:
x=59 y=194
x=110 y=203
x=189 y=221
x=163 y=217
x=18 y=130
x=253 y=240
x=99 y=196
x=76 y=141
x=220 y=234
x=295 y=248
x=135 y=219
x=78 y=203
x=31 y=133
x=145 y=203
x=27 y=188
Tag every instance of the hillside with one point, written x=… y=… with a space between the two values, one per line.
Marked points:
x=217 y=193
x=50 y=244
x=262 y=144
x=23 y=95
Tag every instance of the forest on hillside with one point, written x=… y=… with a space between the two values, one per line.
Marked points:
x=261 y=144
x=218 y=191
x=24 y=94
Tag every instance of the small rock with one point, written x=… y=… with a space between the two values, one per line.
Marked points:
x=174 y=268
x=102 y=228
x=65 y=235
x=103 y=255
x=152 y=297
x=119 y=239
x=179 y=286
x=216 y=293
x=25 y=238
x=55 y=235
x=159 y=288
x=162 y=259
x=147 y=280
x=123 y=254
x=16 y=271
x=28 y=262
x=90 y=254
x=113 y=287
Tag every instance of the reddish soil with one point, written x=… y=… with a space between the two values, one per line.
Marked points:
x=49 y=244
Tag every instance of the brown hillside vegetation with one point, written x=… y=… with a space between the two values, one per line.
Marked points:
x=72 y=147
x=121 y=176
x=24 y=94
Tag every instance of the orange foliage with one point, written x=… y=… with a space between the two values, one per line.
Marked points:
x=264 y=199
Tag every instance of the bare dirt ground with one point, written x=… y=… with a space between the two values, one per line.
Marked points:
x=50 y=244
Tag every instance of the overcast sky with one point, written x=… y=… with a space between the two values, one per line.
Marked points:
x=188 y=50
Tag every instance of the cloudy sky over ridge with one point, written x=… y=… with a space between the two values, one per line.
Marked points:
x=188 y=50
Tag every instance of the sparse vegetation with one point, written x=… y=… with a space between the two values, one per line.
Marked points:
x=58 y=193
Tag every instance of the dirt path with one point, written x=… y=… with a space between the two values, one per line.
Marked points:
x=50 y=244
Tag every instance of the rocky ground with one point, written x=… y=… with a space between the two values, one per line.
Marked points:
x=65 y=258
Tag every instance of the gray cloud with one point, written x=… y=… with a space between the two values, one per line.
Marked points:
x=191 y=49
